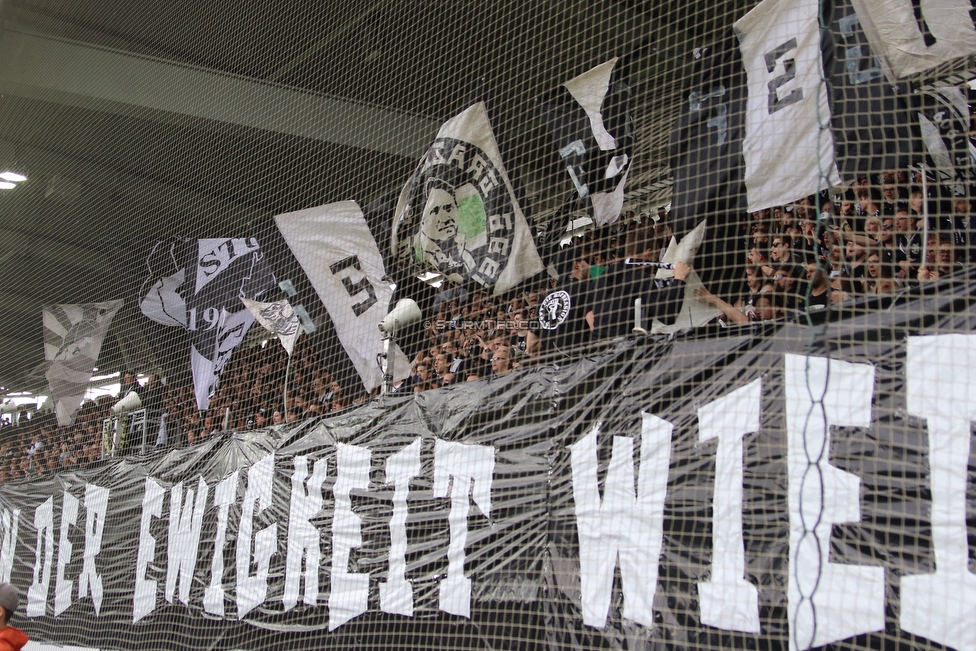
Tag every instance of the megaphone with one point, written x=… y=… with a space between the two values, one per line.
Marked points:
x=403 y=314
x=130 y=402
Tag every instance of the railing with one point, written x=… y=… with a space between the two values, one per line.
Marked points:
x=117 y=430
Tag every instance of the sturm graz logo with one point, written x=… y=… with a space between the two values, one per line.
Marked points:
x=459 y=218
x=554 y=310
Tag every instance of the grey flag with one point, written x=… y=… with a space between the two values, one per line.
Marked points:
x=73 y=336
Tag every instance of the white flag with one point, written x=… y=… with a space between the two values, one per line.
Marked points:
x=911 y=37
x=788 y=146
x=73 y=336
x=333 y=245
x=277 y=318
x=458 y=214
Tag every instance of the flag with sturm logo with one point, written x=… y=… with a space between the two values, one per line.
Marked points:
x=198 y=284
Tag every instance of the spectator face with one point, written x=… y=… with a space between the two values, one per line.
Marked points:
x=814 y=276
x=947 y=254
x=872 y=227
x=874 y=265
x=500 y=362
x=423 y=372
x=440 y=364
x=764 y=309
x=886 y=227
x=780 y=251
x=260 y=420
x=903 y=222
x=890 y=192
x=783 y=281
x=961 y=207
x=277 y=418
x=916 y=202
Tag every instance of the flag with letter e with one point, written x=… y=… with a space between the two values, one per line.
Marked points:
x=458 y=214
x=337 y=252
x=788 y=145
x=589 y=120
x=73 y=336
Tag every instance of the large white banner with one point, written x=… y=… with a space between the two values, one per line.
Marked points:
x=458 y=215
x=788 y=146
x=73 y=336
x=333 y=245
x=911 y=36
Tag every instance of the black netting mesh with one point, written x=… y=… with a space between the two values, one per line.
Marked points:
x=572 y=325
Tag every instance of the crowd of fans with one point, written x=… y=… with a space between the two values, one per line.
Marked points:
x=824 y=250
x=802 y=257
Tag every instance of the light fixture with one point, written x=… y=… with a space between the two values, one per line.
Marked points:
x=4 y=185
x=13 y=177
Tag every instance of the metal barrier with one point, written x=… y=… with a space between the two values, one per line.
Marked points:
x=117 y=429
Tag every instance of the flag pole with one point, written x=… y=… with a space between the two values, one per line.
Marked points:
x=284 y=412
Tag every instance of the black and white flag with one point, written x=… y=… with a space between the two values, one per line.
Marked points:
x=73 y=336
x=788 y=145
x=198 y=284
x=943 y=119
x=458 y=214
x=278 y=318
x=589 y=120
x=705 y=149
x=872 y=119
x=911 y=36
x=335 y=248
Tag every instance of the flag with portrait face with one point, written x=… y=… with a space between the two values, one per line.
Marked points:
x=458 y=214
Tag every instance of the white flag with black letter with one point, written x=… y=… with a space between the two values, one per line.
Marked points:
x=911 y=36
x=788 y=146
x=458 y=214
x=277 y=318
x=333 y=245
x=73 y=336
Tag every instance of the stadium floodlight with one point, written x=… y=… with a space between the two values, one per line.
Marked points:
x=406 y=312
x=13 y=177
x=4 y=185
